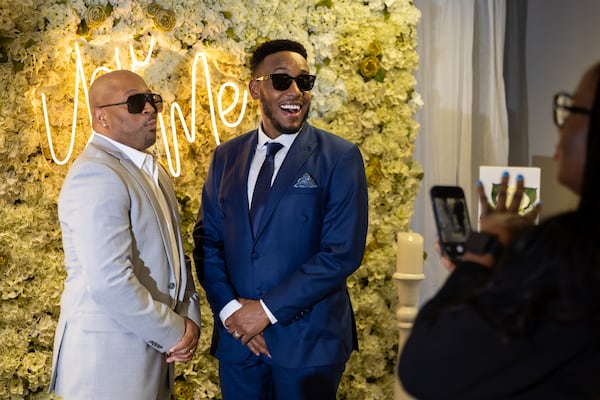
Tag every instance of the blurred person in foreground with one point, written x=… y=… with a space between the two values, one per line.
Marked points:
x=129 y=308
x=276 y=283
x=519 y=316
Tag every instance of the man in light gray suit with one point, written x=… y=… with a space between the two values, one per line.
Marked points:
x=129 y=307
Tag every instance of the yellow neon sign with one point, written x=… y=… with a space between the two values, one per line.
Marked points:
x=190 y=133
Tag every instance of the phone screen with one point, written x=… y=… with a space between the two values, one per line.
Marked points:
x=452 y=219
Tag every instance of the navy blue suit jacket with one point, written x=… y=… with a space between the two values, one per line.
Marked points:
x=310 y=239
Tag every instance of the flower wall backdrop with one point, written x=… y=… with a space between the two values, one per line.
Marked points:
x=363 y=53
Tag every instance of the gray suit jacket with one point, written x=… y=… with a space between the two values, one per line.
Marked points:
x=125 y=296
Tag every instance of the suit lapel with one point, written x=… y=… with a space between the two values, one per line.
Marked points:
x=171 y=199
x=304 y=145
x=126 y=162
x=240 y=179
x=140 y=177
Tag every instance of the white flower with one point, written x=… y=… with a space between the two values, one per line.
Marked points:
x=377 y=116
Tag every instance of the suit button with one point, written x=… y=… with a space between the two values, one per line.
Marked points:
x=154 y=344
x=171 y=285
x=255 y=255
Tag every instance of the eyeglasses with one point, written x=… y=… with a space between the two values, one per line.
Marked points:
x=562 y=108
x=282 y=82
x=137 y=102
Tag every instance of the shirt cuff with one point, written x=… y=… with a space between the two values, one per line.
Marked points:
x=268 y=312
x=229 y=309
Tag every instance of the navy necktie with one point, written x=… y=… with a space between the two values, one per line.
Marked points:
x=263 y=185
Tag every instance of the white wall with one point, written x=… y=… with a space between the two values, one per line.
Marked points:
x=563 y=39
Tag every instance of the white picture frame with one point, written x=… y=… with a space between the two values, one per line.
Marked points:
x=490 y=177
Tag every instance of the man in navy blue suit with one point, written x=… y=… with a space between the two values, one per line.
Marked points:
x=276 y=282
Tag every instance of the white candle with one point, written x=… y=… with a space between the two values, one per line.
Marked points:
x=409 y=253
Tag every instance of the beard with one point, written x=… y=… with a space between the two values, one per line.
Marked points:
x=150 y=139
x=284 y=130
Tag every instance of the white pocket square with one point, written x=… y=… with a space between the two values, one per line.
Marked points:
x=306 y=181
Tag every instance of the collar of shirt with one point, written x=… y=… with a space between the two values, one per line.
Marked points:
x=259 y=156
x=285 y=139
x=138 y=157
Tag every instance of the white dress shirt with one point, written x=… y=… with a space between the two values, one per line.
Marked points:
x=259 y=157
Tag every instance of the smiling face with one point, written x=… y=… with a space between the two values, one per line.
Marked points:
x=283 y=112
x=133 y=130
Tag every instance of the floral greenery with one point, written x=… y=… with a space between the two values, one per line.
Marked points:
x=37 y=55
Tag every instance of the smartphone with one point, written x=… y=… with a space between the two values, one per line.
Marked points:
x=451 y=219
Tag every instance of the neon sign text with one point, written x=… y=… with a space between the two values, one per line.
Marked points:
x=200 y=61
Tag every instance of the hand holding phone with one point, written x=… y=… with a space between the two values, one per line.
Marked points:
x=452 y=220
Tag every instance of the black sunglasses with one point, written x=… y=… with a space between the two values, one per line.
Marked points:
x=282 y=82
x=137 y=102
x=562 y=107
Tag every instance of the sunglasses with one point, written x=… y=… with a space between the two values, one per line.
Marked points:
x=282 y=82
x=562 y=107
x=137 y=102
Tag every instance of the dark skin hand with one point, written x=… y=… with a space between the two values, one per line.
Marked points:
x=248 y=323
x=185 y=349
x=258 y=346
x=503 y=221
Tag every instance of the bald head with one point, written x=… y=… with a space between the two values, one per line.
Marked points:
x=104 y=88
x=110 y=116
